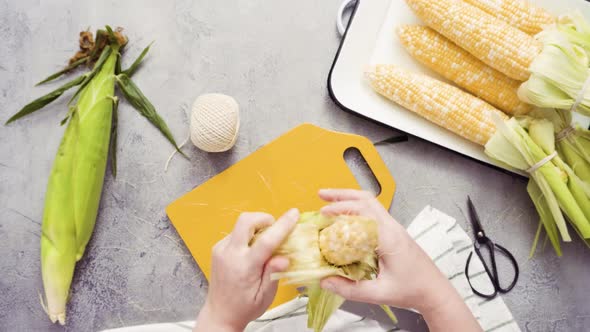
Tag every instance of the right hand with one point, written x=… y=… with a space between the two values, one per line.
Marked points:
x=407 y=277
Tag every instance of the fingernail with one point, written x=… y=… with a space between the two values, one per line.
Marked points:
x=293 y=213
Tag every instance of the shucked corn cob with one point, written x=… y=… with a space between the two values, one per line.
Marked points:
x=348 y=240
x=454 y=63
x=520 y=14
x=438 y=102
x=486 y=37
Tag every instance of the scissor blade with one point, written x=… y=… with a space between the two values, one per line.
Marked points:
x=474 y=218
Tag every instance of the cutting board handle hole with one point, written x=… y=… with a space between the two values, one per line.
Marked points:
x=362 y=171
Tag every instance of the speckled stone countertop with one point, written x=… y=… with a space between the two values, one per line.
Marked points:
x=274 y=58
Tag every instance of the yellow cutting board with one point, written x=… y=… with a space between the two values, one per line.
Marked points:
x=286 y=173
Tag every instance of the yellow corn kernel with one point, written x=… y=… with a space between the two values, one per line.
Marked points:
x=350 y=239
x=455 y=64
x=436 y=101
x=520 y=14
x=489 y=39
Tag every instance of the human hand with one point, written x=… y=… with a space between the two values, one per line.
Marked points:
x=240 y=288
x=407 y=276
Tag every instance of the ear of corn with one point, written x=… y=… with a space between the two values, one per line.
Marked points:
x=319 y=247
x=343 y=246
x=454 y=63
x=488 y=38
x=75 y=186
x=348 y=240
x=436 y=101
x=520 y=14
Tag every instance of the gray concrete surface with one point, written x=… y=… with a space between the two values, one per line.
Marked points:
x=274 y=57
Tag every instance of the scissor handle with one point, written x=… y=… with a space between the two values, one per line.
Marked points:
x=493 y=271
x=508 y=255
x=488 y=272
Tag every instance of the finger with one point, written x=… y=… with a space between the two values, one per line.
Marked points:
x=268 y=241
x=361 y=291
x=247 y=225
x=273 y=265
x=219 y=251
x=352 y=208
x=223 y=242
x=268 y=287
x=336 y=195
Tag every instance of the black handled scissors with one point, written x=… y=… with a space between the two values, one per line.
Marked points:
x=482 y=240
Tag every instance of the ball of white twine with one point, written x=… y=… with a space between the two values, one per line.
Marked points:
x=215 y=122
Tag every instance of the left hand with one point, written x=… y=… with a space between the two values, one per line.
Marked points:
x=240 y=289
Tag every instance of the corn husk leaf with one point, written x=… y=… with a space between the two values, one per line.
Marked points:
x=576 y=29
x=113 y=144
x=542 y=133
x=559 y=72
x=142 y=104
x=570 y=147
x=135 y=65
x=546 y=218
x=322 y=304
x=97 y=67
x=43 y=101
x=67 y=69
x=536 y=240
x=389 y=313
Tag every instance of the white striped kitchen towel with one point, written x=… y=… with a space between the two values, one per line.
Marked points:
x=443 y=239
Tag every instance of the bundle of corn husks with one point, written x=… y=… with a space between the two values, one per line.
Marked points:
x=319 y=247
x=559 y=194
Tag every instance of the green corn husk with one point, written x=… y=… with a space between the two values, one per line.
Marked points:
x=546 y=218
x=556 y=189
x=321 y=305
x=571 y=146
x=541 y=132
x=75 y=186
x=308 y=267
x=576 y=29
x=584 y=141
x=560 y=71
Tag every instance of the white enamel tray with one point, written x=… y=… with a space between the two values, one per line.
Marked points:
x=370 y=39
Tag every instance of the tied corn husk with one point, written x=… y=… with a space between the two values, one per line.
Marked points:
x=559 y=73
x=571 y=141
x=308 y=265
x=576 y=29
x=75 y=184
x=555 y=189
